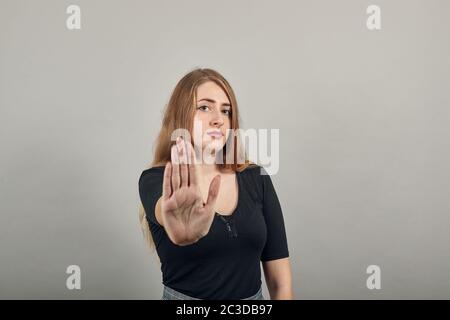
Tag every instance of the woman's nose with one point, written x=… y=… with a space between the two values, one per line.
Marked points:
x=217 y=119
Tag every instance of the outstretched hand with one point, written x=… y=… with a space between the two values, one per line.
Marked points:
x=185 y=217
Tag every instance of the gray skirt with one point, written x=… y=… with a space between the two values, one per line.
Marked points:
x=171 y=294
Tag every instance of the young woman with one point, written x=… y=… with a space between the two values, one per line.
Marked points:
x=212 y=222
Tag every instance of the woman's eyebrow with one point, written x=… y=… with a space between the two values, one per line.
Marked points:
x=214 y=101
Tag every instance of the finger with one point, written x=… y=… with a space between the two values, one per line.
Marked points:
x=183 y=161
x=213 y=192
x=175 y=169
x=192 y=166
x=167 y=190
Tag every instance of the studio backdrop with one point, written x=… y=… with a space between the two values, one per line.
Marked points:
x=358 y=91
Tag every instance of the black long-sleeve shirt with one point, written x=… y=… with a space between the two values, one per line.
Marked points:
x=224 y=264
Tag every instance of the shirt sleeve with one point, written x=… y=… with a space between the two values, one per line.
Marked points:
x=150 y=190
x=276 y=246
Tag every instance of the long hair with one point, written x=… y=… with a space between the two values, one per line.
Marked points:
x=179 y=113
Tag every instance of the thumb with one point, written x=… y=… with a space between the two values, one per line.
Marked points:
x=213 y=192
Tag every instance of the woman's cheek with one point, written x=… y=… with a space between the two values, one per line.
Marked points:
x=199 y=131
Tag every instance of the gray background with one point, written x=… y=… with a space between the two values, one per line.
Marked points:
x=364 y=128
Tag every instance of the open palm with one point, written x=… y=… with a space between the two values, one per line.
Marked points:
x=186 y=218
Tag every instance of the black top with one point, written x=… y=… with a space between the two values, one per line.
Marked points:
x=224 y=264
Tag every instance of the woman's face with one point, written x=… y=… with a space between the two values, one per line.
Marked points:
x=212 y=118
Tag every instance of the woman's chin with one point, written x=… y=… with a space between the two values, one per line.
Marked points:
x=215 y=144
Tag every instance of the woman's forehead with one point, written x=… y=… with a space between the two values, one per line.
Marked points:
x=212 y=91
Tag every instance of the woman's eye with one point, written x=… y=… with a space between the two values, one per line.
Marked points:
x=203 y=108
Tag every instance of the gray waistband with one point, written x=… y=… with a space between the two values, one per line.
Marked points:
x=171 y=294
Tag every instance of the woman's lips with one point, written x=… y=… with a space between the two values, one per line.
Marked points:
x=215 y=134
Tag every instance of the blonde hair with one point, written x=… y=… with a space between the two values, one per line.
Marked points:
x=179 y=113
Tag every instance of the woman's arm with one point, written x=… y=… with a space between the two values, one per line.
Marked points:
x=279 y=279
